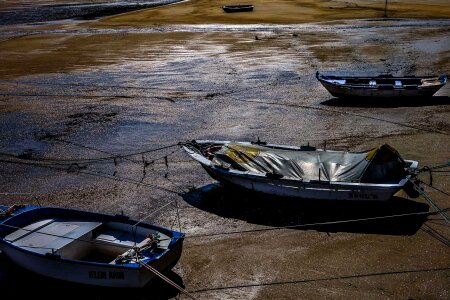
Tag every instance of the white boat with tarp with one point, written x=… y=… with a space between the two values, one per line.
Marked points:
x=304 y=172
x=86 y=247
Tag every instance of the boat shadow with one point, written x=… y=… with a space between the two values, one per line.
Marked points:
x=261 y=209
x=388 y=102
x=19 y=283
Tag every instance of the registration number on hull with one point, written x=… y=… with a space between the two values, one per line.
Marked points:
x=106 y=275
x=362 y=195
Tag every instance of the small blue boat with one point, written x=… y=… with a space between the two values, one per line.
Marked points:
x=87 y=247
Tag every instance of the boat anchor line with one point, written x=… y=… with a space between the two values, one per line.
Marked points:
x=165 y=278
x=76 y=165
x=80 y=165
x=430 y=170
x=438 y=210
x=318 y=224
x=313 y=280
x=342 y=113
x=58 y=161
x=415 y=184
x=430 y=201
x=93 y=173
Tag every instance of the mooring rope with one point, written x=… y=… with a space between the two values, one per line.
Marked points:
x=287 y=226
x=142 y=161
x=441 y=166
x=53 y=84
x=311 y=280
x=435 y=234
x=76 y=165
x=90 y=160
x=93 y=173
x=163 y=277
x=430 y=201
x=435 y=188
x=318 y=224
x=342 y=112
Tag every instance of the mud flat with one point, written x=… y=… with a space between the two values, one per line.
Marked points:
x=85 y=91
x=280 y=12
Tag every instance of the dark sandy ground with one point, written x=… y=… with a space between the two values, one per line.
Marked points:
x=79 y=93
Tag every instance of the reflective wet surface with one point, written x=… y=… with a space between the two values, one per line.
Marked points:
x=87 y=93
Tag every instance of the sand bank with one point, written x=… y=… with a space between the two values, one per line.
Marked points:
x=279 y=12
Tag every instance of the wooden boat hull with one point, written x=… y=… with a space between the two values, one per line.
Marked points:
x=320 y=190
x=237 y=8
x=53 y=265
x=352 y=92
x=344 y=90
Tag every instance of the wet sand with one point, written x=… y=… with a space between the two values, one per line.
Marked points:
x=66 y=91
x=279 y=12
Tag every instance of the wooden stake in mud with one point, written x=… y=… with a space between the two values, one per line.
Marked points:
x=385 y=9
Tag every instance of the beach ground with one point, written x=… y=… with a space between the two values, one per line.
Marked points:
x=156 y=77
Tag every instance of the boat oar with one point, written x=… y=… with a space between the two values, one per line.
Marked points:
x=166 y=279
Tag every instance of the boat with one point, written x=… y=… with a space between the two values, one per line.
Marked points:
x=304 y=171
x=238 y=8
x=382 y=86
x=87 y=247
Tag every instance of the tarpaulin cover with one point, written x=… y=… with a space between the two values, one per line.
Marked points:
x=379 y=165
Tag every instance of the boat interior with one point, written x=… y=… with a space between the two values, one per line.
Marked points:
x=84 y=240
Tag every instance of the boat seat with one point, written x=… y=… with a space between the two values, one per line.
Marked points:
x=67 y=238
x=116 y=237
x=12 y=237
